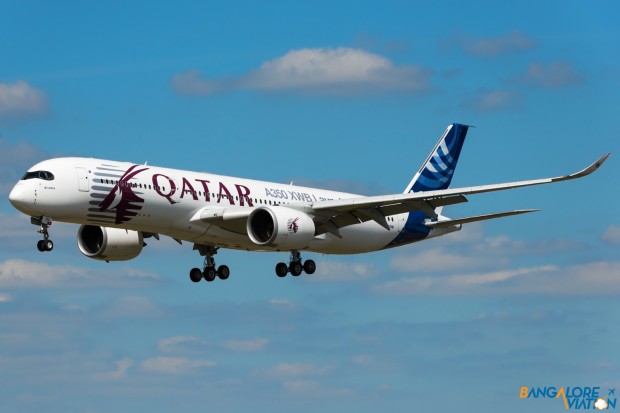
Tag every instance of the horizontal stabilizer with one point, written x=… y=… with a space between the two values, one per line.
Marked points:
x=453 y=222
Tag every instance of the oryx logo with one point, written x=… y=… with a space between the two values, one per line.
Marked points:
x=292 y=226
x=130 y=203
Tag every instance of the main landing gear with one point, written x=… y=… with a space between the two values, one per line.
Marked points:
x=208 y=272
x=45 y=244
x=295 y=267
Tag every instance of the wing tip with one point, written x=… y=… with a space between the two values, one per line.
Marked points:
x=586 y=171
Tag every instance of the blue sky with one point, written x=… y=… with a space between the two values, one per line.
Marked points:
x=346 y=95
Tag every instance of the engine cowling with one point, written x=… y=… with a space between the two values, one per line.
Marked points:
x=281 y=227
x=109 y=244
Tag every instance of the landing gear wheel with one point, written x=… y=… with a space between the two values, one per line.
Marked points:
x=295 y=268
x=209 y=274
x=43 y=222
x=223 y=272
x=45 y=245
x=195 y=275
x=281 y=269
x=309 y=267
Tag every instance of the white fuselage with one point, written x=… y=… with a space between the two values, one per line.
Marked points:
x=164 y=201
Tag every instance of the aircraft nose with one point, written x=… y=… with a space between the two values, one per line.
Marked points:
x=19 y=200
x=16 y=197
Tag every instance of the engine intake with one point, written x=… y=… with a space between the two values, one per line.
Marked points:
x=281 y=227
x=109 y=244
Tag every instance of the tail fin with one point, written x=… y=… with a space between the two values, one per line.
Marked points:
x=436 y=172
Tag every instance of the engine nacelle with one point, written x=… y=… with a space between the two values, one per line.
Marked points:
x=281 y=227
x=109 y=244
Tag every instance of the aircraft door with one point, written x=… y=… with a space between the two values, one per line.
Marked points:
x=83 y=182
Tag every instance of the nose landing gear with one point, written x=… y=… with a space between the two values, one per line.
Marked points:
x=45 y=244
x=295 y=266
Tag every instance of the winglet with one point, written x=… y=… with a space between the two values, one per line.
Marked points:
x=587 y=171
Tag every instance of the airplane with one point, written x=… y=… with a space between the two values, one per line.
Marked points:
x=119 y=204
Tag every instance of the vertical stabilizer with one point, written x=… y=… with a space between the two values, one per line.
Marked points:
x=437 y=171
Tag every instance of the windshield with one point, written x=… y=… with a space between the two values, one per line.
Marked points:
x=45 y=175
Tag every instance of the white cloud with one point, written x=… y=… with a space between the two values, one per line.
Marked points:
x=362 y=359
x=496 y=100
x=339 y=271
x=132 y=307
x=283 y=303
x=120 y=372
x=174 y=365
x=551 y=76
x=74 y=308
x=515 y=41
x=314 y=389
x=321 y=71
x=593 y=279
x=246 y=345
x=5 y=298
x=301 y=386
x=288 y=370
x=16 y=273
x=472 y=251
x=176 y=344
x=20 y=99
x=440 y=260
x=611 y=235
x=19 y=273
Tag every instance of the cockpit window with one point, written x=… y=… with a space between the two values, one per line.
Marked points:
x=45 y=175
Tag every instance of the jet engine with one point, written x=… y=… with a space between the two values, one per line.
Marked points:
x=281 y=227
x=109 y=244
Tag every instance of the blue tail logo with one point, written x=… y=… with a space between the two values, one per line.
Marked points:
x=437 y=171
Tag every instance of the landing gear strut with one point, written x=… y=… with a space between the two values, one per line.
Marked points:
x=208 y=272
x=295 y=266
x=45 y=244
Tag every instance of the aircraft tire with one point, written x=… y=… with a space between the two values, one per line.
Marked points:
x=195 y=275
x=281 y=270
x=309 y=267
x=223 y=272
x=209 y=274
x=296 y=268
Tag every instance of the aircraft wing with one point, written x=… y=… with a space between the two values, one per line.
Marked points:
x=331 y=215
x=334 y=214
